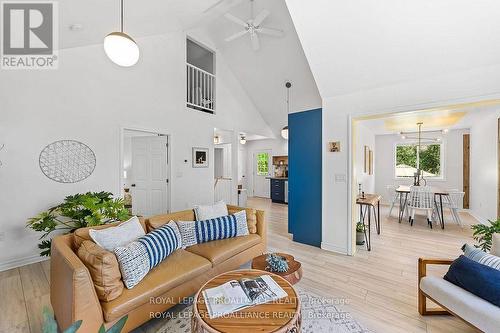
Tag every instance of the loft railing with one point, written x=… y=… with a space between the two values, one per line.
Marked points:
x=200 y=89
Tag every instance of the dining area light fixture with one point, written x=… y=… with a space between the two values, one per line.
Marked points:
x=284 y=130
x=120 y=47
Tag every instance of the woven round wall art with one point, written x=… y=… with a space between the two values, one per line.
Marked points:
x=67 y=161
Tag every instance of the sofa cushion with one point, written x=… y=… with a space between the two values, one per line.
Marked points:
x=495 y=244
x=155 y=222
x=197 y=232
x=481 y=257
x=82 y=234
x=179 y=267
x=206 y=212
x=251 y=217
x=479 y=279
x=137 y=258
x=221 y=250
x=120 y=235
x=104 y=270
x=464 y=304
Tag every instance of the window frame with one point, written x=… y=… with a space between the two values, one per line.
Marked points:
x=442 y=159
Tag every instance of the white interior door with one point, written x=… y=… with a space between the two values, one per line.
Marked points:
x=261 y=170
x=149 y=175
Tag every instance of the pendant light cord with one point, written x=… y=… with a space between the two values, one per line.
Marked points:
x=121 y=15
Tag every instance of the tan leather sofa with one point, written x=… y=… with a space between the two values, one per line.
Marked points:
x=73 y=295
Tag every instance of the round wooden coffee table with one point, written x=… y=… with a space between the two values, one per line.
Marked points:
x=294 y=273
x=280 y=316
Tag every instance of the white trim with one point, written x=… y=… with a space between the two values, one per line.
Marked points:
x=334 y=248
x=350 y=175
x=169 y=159
x=476 y=216
x=19 y=262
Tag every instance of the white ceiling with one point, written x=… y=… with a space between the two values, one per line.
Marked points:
x=263 y=73
x=141 y=18
x=408 y=120
x=355 y=45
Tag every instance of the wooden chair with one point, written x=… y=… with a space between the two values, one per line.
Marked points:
x=421 y=198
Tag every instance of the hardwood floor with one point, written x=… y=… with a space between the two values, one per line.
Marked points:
x=379 y=288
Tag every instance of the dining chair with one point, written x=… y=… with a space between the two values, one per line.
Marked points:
x=421 y=198
x=391 y=193
x=453 y=201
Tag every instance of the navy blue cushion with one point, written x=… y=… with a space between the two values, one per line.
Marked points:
x=481 y=280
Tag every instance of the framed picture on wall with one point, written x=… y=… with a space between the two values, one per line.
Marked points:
x=370 y=158
x=200 y=157
x=366 y=159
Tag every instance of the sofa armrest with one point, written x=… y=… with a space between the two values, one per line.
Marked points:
x=262 y=226
x=422 y=298
x=72 y=293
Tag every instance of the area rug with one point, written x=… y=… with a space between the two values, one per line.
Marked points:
x=319 y=315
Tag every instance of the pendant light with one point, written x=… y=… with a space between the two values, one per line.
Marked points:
x=120 y=47
x=284 y=130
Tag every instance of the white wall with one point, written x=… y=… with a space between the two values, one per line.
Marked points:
x=90 y=99
x=483 y=166
x=453 y=162
x=364 y=137
x=278 y=147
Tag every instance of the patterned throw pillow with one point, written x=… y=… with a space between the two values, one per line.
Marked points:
x=481 y=257
x=197 y=232
x=139 y=257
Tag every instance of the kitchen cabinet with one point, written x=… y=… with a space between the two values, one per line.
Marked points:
x=279 y=186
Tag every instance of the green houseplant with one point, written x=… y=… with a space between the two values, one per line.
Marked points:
x=50 y=324
x=483 y=233
x=360 y=235
x=77 y=211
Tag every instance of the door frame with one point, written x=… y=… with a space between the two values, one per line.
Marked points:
x=352 y=130
x=254 y=167
x=169 y=159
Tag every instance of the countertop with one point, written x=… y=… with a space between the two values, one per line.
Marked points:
x=278 y=178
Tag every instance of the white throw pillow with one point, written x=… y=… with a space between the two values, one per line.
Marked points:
x=205 y=212
x=495 y=245
x=121 y=235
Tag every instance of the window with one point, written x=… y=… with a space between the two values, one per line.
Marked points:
x=200 y=77
x=262 y=164
x=430 y=160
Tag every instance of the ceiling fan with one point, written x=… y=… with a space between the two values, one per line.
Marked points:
x=253 y=27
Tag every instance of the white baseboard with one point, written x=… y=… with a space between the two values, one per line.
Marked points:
x=333 y=248
x=476 y=216
x=14 y=263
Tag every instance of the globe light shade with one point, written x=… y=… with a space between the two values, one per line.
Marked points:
x=284 y=133
x=121 y=49
x=243 y=140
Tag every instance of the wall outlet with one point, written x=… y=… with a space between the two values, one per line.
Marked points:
x=2 y=236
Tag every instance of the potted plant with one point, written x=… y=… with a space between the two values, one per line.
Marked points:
x=77 y=211
x=360 y=235
x=50 y=324
x=483 y=233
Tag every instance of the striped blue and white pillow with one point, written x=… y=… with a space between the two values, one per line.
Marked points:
x=197 y=232
x=139 y=257
x=481 y=257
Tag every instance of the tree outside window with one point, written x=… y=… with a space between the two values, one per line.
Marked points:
x=262 y=164
x=430 y=160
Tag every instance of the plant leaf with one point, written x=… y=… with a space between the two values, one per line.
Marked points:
x=118 y=326
x=74 y=327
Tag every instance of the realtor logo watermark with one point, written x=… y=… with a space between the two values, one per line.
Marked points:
x=29 y=35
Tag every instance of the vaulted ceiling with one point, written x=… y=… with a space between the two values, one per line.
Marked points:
x=358 y=45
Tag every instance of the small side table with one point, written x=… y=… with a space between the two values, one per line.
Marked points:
x=294 y=273
x=369 y=202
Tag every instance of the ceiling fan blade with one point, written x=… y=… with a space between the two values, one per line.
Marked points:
x=235 y=19
x=271 y=32
x=260 y=17
x=236 y=35
x=255 y=41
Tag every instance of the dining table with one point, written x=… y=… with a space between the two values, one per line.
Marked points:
x=404 y=190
